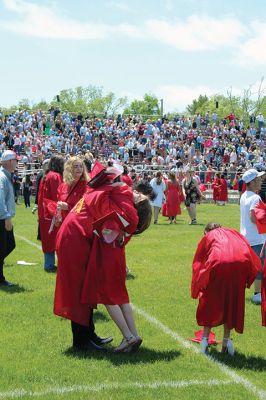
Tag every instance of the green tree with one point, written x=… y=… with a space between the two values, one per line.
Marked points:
x=149 y=106
x=90 y=99
x=197 y=104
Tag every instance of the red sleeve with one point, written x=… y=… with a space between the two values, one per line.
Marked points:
x=51 y=184
x=198 y=267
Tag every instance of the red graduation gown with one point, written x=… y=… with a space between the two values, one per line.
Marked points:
x=48 y=191
x=71 y=195
x=173 y=199
x=216 y=189
x=74 y=245
x=260 y=213
x=223 y=195
x=223 y=266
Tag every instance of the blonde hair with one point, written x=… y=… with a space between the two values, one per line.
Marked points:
x=68 y=170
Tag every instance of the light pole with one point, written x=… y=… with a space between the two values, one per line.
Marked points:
x=161 y=107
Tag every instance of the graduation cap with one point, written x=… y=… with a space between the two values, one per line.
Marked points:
x=101 y=175
x=108 y=227
x=199 y=335
x=260 y=214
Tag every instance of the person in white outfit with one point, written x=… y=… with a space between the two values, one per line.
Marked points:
x=158 y=187
x=248 y=228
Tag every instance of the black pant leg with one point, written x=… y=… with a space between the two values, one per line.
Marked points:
x=2 y=248
x=82 y=334
x=10 y=242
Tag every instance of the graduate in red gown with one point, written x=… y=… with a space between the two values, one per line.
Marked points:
x=223 y=266
x=49 y=184
x=91 y=260
x=223 y=192
x=260 y=213
x=173 y=200
x=126 y=178
x=216 y=186
x=75 y=179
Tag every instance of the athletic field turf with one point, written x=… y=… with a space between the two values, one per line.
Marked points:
x=37 y=360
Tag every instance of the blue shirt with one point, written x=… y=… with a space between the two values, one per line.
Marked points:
x=7 y=198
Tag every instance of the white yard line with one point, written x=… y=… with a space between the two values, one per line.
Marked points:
x=236 y=378
x=20 y=393
x=29 y=242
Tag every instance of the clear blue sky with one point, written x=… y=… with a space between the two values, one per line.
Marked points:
x=174 y=49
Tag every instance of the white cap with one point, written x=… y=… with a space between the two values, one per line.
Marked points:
x=8 y=155
x=251 y=174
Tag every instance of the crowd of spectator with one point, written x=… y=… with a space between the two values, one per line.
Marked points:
x=208 y=143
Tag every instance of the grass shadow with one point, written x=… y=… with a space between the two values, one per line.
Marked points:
x=99 y=316
x=144 y=355
x=130 y=276
x=15 y=289
x=240 y=360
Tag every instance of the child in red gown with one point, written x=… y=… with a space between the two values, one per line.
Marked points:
x=223 y=266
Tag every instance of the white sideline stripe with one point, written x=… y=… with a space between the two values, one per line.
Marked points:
x=261 y=394
x=28 y=241
x=20 y=393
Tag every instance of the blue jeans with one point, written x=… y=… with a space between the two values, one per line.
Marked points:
x=49 y=260
x=257 y=248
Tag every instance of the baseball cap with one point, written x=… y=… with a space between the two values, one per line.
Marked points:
x=251 y=174
x=9 y=155
x=259 y=167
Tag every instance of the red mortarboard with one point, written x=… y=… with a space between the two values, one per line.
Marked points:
x=260 y=213
x=101 y=175
x=113 y=222
x=199 y=334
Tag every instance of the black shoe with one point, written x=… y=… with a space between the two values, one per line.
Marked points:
x=99 y=341
x=6 y=283
x=51 y=269
x=89 y=346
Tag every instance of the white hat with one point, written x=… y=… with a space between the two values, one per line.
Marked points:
x=251 y=174
x=8 y=155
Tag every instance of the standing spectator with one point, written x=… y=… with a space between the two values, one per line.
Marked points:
x=26 y=190
x=7 y=210
x=192 y=194
x=158 y=187
x=248 y=202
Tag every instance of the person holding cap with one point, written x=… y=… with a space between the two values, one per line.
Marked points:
x=248 y=202
x=7 y=209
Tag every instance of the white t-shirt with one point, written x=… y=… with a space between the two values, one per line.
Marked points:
x=248 y=202
x=159 y=191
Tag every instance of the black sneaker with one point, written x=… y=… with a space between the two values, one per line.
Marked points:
x=51 y=269
x=99 y=341
x=6 y=283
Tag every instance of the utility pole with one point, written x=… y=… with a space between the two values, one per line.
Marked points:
x=161 y=107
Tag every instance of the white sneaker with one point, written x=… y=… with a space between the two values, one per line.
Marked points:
x=256 y=299
x=204 y=345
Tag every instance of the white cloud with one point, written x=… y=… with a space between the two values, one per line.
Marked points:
x=196 y=33
x=252 y=52
x=120 y=6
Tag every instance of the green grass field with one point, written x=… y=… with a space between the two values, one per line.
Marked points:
x=37 y=360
